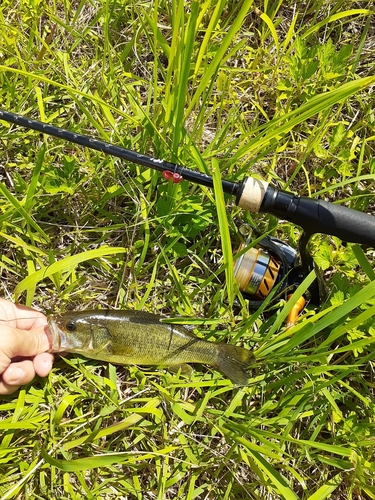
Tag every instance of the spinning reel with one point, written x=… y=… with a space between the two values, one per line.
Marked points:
x=259 y=270
x=273 y=263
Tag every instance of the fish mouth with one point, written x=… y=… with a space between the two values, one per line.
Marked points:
x=59 y=340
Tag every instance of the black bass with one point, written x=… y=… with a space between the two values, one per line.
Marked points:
x=135 y=337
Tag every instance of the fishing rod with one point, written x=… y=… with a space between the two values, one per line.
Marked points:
x=256 y=271
x=255 y=195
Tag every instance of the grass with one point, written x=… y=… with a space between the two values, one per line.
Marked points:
x=282 y=90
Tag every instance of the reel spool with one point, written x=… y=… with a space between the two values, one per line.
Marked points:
x=256 y=272
x=260 y=268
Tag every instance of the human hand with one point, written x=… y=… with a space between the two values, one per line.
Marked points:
x=24 y=340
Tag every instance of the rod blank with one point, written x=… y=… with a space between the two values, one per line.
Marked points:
x=118 y=151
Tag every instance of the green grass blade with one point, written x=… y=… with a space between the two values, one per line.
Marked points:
x=105 y=460
x=209 y=35
x=129 y=421
x=31 y=249
x=340 y=312
x=20 y=209
x=183 y=80
x=34 y=180
x=279 y=484
x=335 y=17
x=74 y=91
x=301 y=290
x=272 y=29
x=211 y=70
x=354 y=323
x=64 y=265
x=285 y=123
x=224 y=230
x=363 y=262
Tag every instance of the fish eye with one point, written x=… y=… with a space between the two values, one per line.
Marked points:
x=71 y=326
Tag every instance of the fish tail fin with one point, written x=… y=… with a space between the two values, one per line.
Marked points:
x=235 y=363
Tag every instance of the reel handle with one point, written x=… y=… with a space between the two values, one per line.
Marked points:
x=314 y=216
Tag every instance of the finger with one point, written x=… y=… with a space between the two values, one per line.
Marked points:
x=28 y=318
x=15 y=342
x=6 y=389
x=21 y=317
x=24 y=371
x=15 y=375
x=43 y=364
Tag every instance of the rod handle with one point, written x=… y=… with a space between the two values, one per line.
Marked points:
x=314 y=216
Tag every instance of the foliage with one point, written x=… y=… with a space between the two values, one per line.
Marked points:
x=279 y=89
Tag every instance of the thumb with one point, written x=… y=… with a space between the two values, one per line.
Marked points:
x=25 y=343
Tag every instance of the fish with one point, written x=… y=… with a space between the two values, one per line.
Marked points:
x=129 y=337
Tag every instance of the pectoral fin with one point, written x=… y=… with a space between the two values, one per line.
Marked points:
x=183 y=368
x=101 y=342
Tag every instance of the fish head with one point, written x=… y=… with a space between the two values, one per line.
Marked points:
x=70 y=332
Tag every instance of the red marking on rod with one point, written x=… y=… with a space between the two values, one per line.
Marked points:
x=167 y=175
x=176 y=178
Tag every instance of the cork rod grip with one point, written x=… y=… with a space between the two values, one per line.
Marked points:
x=250 y=195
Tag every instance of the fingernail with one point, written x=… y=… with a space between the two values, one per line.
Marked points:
x=16 y=375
